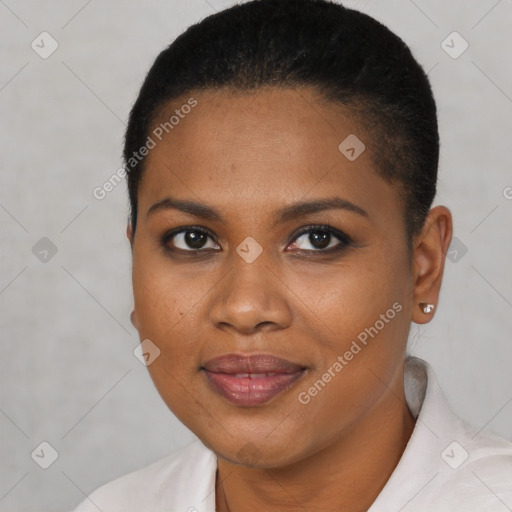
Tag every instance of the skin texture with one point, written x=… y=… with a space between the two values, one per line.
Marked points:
x=248 y=155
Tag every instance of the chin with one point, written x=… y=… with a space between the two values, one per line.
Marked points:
x=254 y=450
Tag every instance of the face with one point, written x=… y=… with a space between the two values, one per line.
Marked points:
x=280 y=327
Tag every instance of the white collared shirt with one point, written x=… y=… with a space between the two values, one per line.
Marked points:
x=447 y=465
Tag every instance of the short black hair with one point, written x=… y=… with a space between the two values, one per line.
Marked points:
x=347 y=56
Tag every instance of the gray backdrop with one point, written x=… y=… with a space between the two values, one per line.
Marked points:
x=69 y=376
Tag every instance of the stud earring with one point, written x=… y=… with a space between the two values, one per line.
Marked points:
x=427 y=308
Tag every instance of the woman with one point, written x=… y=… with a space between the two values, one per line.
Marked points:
x=282 y=162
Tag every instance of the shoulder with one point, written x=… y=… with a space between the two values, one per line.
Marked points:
x=475 y=466
x=448 y=464
x=183 y=480
x=478 y=471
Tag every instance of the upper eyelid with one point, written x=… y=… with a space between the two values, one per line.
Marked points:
x=340 y=235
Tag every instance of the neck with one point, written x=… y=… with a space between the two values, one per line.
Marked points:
x=348 y=475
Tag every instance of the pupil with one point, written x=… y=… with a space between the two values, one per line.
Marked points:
x=319 y=239
x=194 y=239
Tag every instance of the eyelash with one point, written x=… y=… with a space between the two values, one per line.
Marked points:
x=344 y=240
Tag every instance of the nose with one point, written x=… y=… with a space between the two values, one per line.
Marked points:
x=251 y=298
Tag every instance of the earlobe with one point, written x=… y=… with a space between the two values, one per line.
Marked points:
x=129 y=232
x=133 y=320
x=427 y=308
x=430 y=252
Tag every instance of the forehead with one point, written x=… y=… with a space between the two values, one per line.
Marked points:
x=261 y=149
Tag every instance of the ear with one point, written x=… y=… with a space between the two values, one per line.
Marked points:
x=430 y=249
x=129 y=232
x=134 y=320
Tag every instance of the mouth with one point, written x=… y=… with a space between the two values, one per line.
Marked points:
x=251 y=380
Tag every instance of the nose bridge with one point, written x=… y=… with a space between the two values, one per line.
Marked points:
x=250 y=293
x=251 y=271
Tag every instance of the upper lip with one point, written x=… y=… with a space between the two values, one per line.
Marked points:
x=251 y=363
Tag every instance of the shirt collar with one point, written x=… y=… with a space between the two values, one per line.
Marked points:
x=435 y=430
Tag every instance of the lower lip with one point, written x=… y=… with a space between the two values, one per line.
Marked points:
x=246 y=391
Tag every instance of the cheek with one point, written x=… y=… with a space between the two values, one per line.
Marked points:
x=162 y=296
x=166 y=304
x=360 y=313
x=348 y=298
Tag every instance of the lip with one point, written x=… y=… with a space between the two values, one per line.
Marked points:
x=251 y=380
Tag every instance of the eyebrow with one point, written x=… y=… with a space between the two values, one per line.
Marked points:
x=280 y=216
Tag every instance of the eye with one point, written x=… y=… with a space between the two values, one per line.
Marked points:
x=189 y=239
x=320 y=238
x=323 y=239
